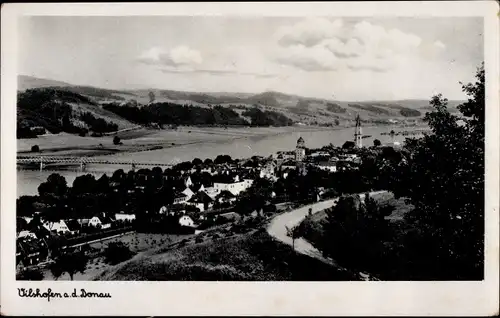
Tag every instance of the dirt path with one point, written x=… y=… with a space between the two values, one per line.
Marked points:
x=278 y=229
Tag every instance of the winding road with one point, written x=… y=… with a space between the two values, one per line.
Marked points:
x=278 y=229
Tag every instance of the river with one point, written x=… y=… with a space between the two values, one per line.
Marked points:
x=29 y=180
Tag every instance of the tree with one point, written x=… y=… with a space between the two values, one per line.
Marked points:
x=220 y=159
x=293 y=233
x=21 y=224
x=84 y=184
x=208 y=161
x=117 y=140
x=377 y=143
x=55 y=185
x=348 y=145
x=151 y=97
x=70 y=263
x=30 y=274
x=117 y=252
x=444 y=179
x=35 y=148
x=118 y=176
x=25 y=205
x=197 y=161
x=102 y=184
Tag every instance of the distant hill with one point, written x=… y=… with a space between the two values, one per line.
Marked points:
x=60 y=110
x=26 y=82
x=306 y=110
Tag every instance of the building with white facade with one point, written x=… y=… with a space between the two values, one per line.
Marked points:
x=58 y=227
x=124 y=217
x=185 y=220
x=234 y=187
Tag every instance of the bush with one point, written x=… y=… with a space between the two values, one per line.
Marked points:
x=29 y=274
x=117 y=140
x=35 y=148
x=117 y=252
x=198 y=239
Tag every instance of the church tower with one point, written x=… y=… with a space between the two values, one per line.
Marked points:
x=300 y=150
x=358 y=134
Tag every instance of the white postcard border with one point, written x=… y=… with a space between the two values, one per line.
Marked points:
x=255 y=298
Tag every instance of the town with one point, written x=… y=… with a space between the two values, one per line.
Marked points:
x=186 y=199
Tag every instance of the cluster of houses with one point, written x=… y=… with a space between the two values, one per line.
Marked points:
x=32 y=241
x=228 y=181
x=331 y=161
x=226 y=187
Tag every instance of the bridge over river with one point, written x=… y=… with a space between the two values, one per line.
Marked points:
x=42 y=161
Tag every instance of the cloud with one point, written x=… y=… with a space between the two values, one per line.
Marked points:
x=311 y=59
x=219 y=72
x=178 y=56
x=319 y=44
x=439 y=45
x=309 y=32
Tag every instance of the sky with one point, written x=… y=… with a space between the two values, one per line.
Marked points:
x=325 y=57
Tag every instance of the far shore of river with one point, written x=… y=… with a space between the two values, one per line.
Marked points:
x=143 y=139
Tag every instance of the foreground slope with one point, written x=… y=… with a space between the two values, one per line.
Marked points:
x=253 y=256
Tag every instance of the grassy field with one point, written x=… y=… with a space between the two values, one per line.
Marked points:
x=143 y=139
x=137 y=242
x=252 y=256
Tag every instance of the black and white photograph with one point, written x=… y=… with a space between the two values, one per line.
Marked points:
x=314 y=148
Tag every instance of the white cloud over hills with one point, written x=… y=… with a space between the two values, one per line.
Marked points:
x=320 y=44
x=177 y=56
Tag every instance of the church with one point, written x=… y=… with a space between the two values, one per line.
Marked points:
x=300 y=150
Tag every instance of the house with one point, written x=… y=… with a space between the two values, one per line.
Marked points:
x=290 y=164
x=235 y=187
x=176 y=209
x=106 y=221
x=185 y=220
x=327 y=166
x=95 y=222
x=268 y=170
x=197 y=187
x=26 y=234
x=83 y=222
x=212 y=192
x=248 y=182
x=73 y=226
x=285 y=155
x=201 y=200
x=31 y=252
x=180 y=198
x=163 y=210
x=27 y=219
x=187 y=182
x=320 y=154
x=256 y=213
x=188 y=192
x=226 y=196
x=58 y=227
x=124 y=217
